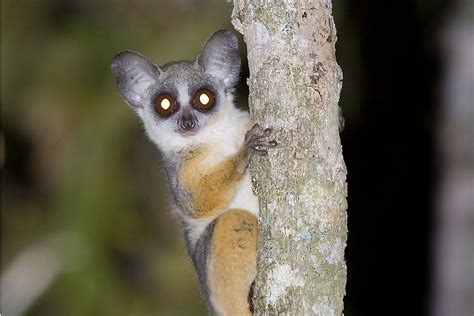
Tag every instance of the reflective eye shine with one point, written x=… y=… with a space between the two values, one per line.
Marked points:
x=165 y=104
x=204 y=98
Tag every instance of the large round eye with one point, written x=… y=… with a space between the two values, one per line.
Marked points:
x=165 y=105
x=204 y=100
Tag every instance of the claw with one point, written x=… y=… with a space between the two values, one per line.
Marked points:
x=256 y=140
x=263 y=144
x=254 y=127
x=263 y=152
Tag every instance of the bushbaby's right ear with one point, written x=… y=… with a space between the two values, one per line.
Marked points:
x=135 y=76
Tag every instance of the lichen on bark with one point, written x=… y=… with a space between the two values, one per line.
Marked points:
x=294 y=85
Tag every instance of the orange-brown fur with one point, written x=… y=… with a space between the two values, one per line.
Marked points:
x=212 y=192
x=232 y=262
x=210 y=189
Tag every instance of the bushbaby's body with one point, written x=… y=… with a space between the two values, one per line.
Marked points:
x=214 y=198
x=187 y=110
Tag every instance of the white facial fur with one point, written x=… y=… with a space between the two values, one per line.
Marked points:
x=226 y=129
x=221 y=129
x=216 y=69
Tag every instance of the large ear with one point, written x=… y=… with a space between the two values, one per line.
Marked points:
x=134 y=75
x=220 y=57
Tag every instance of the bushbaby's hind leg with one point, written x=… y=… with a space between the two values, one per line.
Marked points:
x=232 y=262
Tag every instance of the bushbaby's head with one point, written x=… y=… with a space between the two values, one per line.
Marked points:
x=180 y=99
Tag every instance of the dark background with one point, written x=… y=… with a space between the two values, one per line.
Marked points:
x=77 y=168
x=389 y=149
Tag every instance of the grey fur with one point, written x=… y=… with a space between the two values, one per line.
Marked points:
x=135 y=76
x=220 y=57
x=181 y=197
x=140 y=82
x=216 y=69
x=200 y=255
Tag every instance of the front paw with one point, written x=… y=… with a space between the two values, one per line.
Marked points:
x=256 y=140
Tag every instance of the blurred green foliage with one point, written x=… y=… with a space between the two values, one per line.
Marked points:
x=75 y=159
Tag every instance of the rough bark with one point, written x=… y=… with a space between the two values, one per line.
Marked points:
x=295 y=84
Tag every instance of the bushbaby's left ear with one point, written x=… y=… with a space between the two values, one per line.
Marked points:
x=220 y=57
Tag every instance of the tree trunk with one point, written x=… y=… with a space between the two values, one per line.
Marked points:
x=295 y=84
